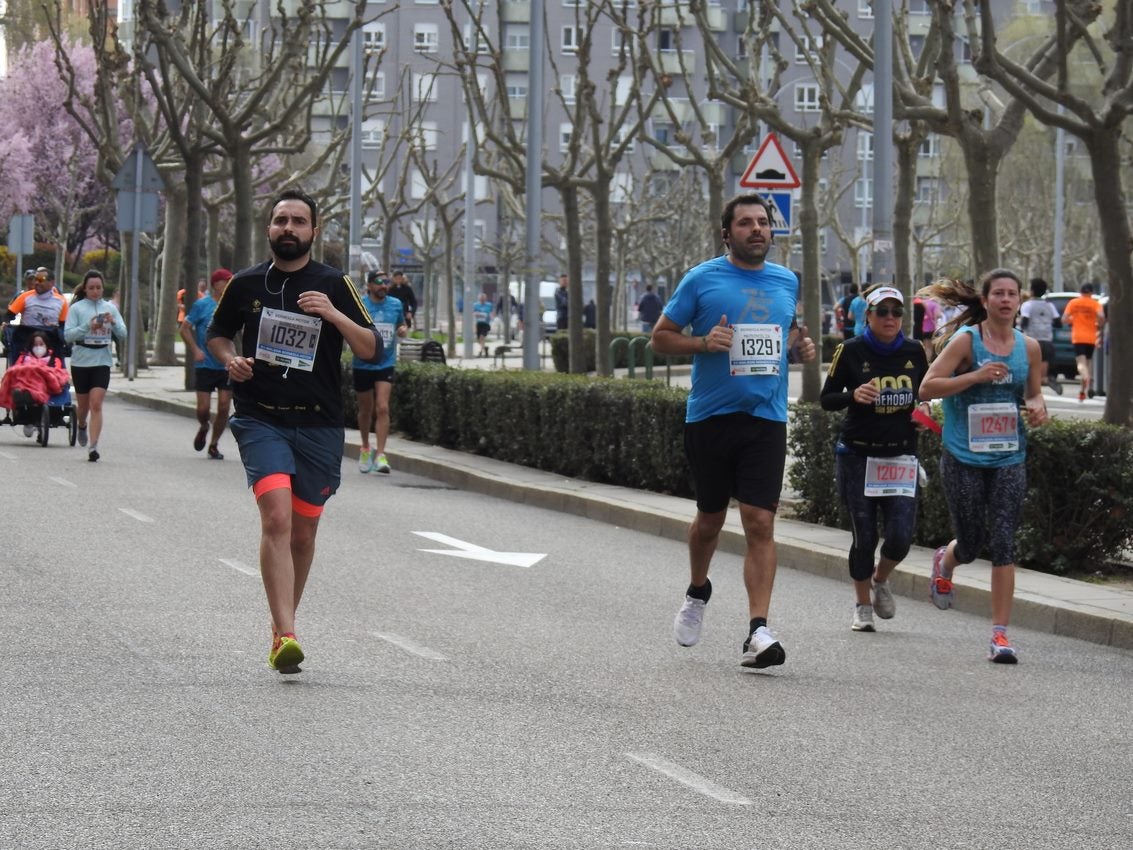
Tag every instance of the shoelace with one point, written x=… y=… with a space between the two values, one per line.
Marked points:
x=999 y=640
x=943 y=585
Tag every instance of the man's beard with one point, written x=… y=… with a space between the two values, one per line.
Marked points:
x=289 y=250
x=751 y=254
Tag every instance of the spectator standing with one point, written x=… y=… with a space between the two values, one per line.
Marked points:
x=649 y=309
x=1037 y=319
x=987 y=373
x=208 y=372
x=845 y=319
x=562 y=303
x=740 y=309
x=590 y=314
x=857 y=314
x=1085 y=317
x=402 y=290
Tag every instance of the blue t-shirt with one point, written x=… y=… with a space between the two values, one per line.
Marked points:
x=766 y=297
x=387 y=315
x=482 y=311
x=199 y=317
x=1010 y=390
x=858 y=309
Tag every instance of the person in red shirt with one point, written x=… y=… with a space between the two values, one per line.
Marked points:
x=1086 y=318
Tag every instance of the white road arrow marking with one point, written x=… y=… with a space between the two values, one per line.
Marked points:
x=461 y=549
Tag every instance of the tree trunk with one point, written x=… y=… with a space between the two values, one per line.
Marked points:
x=811 y=291
x=715 y=209
x=604 y=227
x=448 y=294
x=902 y=221
x=983 y=169
x=1105 y=163
x=194 y=238
x=172 y=278
x=243 y=199
x=573 y=225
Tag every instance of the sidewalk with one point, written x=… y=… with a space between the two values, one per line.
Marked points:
x=1046 y=603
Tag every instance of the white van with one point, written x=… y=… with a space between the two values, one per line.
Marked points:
x=547 y=289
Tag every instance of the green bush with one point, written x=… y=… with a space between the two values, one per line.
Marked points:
x=1076 y=516
x=560 y=352
x=612 y=431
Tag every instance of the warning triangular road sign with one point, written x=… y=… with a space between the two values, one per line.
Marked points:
x=770 y=168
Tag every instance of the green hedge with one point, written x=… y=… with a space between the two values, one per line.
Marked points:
x=1076 y=517
x=614 y=431
x=560 y=352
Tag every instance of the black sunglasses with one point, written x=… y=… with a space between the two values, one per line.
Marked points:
x=886 y=312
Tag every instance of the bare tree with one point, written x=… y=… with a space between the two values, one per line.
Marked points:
x=1099 y=121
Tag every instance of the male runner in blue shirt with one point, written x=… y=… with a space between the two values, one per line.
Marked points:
x=741 y=313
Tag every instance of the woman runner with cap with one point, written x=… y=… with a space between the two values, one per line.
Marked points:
x=875 y=378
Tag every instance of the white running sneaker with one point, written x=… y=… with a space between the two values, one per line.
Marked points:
x=863 y=619
x=381 y=464
x=365 y=460
x=82 y=436
x=761 y=650
x=689 y=621
x=884 y=605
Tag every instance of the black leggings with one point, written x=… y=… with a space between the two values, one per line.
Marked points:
x=899 y=514
x=982 y=498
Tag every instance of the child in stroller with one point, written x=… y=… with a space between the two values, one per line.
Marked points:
x=37 y=375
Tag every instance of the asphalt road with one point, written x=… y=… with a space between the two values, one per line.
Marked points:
x=458 y=703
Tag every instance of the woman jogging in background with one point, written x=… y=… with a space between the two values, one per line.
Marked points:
x=92 y=325
x=989 y=376
x=875 y=378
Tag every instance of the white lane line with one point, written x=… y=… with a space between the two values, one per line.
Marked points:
x=694 y=781
x=140 y=517
x=239 y=566
x=64 y=482
x=410 y=646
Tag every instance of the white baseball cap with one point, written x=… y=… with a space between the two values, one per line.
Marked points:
x=883 y=293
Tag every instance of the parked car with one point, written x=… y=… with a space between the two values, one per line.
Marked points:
x=1064 y=363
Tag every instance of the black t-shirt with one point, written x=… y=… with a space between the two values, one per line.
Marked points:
x=287 y=395
x=882 y=429
x=403 y=292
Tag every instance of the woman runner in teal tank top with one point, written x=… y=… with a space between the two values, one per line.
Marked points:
x=990 y=378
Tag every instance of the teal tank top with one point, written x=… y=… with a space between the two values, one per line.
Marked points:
x=1010 y=390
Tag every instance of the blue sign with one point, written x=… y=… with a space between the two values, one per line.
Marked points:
x=780 y=211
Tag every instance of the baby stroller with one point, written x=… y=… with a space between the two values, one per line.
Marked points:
x=38 y=402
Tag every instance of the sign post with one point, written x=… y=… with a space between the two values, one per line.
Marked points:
x=138 y=183
x=21 y=240
x=770 y=169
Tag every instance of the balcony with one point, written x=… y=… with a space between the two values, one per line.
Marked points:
x=670 y=61
x=517 y=59
x=516 y=11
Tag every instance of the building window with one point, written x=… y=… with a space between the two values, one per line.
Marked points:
x=666 y=40
x=518 y=89
x=663 y=132
x=930 y=147
x=807 y=49
x=926 y=190
x=479 y=35
x=374 y=38
x=567 y=84
x=865 y=146
x=863 y=193
x=572 y=39
x=807 y=97
x=426 y=38
x=619 y=41
x=620 y=136
x=565 y=131
x=376 y=88
x=425 y=135
x=517 y=39
x=418 y=185
x=373 y=132
x=425 y=87
x=865 y=9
